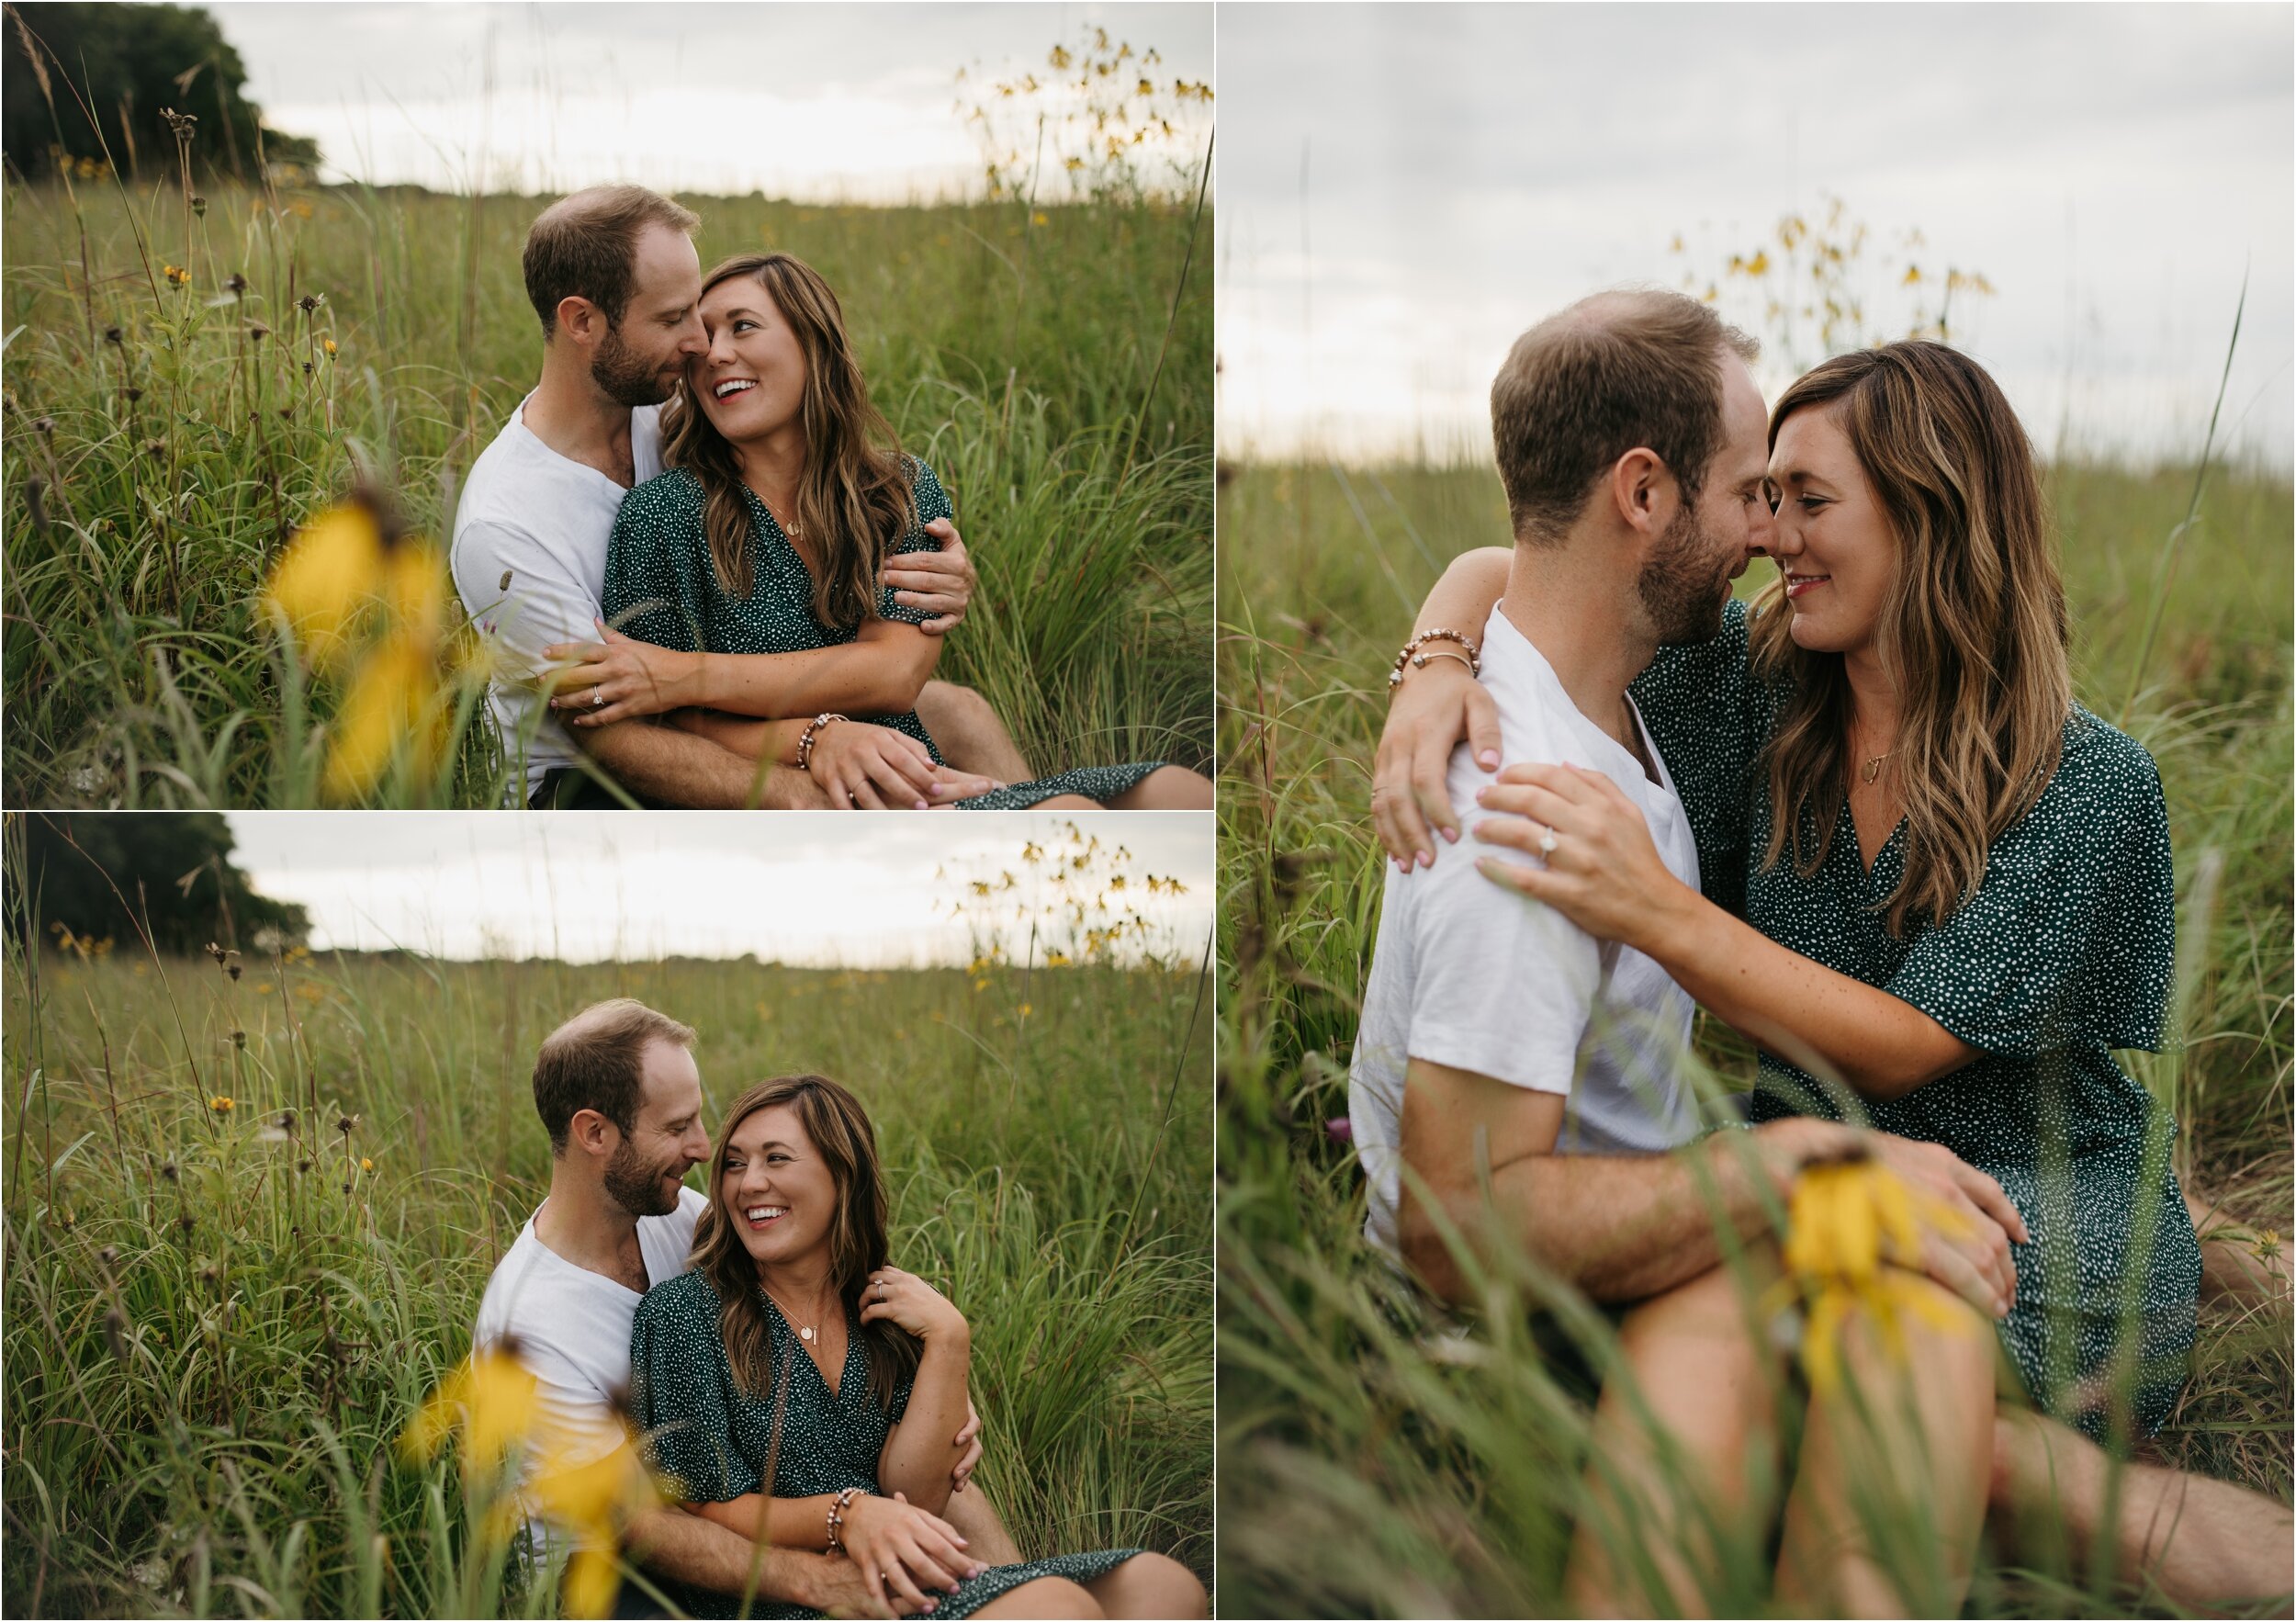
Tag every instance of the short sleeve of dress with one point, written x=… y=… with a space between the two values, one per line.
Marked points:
x=932 y=501
x=2071 y=936
x=1700 y=703
x=679 y=1395
x=650 y=596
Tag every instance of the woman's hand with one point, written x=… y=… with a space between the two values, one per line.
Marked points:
x=1438 y=705
x=872 y=767
x=618 y=678
x=940 y=583
x=902 y=1552
x=909 y=1303
x=1602 y=871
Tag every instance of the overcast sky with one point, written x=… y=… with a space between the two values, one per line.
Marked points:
x=808 y=101
x=1405 y=189
x=823 y=889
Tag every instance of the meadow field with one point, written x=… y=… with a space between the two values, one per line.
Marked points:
x=1362 y=1476
x=220 y=1315
x=190 y=379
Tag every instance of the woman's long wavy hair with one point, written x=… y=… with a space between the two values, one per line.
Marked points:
x=854 y=501
x=842 y=1137
x=1973 y=630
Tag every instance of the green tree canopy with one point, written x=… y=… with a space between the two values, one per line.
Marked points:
x=109 y=72
x=170 y=869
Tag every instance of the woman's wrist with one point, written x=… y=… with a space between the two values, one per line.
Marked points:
x=1669 y=931
x=693 y=683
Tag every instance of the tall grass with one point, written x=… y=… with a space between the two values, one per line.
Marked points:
x=1371 y=1467
x=159 y=450
x=214 y=1325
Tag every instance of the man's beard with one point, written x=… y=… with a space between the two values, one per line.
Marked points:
x=1680 y=588
x=637 y=1187
x=624 y=374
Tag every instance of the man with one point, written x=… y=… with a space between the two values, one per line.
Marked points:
x=1514 y=1075
x=618 y=1092
x=614 y=278
x=1597 y=596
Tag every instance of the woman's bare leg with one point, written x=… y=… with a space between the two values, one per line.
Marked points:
x=1149 y=1585
x=975 y=1519
x=1067 y=802
x=1707 y=1384
x=1167 y=788
x=2205 y=1542
x=1045 y=1596
x=2235 y=1260
x=1922 y=1444
x=970 y=733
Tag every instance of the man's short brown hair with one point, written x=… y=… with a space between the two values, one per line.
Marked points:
x=1584 y=387
x=597 y=1060
x=585 y=246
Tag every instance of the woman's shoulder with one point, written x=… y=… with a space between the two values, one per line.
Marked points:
x=676 y=494
x=2102 y=775
x=925 y=488
x=683 y=1298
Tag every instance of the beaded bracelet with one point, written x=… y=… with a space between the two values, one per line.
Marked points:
x=1417 y=661
x=804 y=739
x=836 y=1518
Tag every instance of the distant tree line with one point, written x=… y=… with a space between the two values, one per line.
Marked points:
x=78 y=880
x=90 y=83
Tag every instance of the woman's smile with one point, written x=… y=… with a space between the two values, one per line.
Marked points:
x=1797 y=583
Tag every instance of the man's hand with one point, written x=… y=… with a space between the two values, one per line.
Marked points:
x=1436 y=707
x=968 y=1444
x=940 y=583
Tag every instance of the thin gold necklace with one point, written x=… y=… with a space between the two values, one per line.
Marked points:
x=809 y=1332
x=790 y=530
x=1873 y=768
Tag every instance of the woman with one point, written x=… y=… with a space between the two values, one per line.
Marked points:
x=771 y=535
x=1955 y=881
x=792 y=1323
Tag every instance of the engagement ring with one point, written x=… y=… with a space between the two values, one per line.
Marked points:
x=597 y=698
x=1547 y=843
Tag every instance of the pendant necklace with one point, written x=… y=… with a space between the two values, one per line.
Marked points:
x=808 y=1332
x=1873 y=768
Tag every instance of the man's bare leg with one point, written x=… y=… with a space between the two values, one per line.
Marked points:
x=975 y=1519
x=2203 y=1542
x=969 y=732
x=1707 y=1385
x=1924 y=1440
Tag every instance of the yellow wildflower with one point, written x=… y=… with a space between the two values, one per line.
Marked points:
x=1913 y=276
x=365 y=1164
x=1848 y=1222
x=330 y=571
x=487 y=1402
x=328 y=345
x=389 y=705
x=221 y=1104
x=1039 y=218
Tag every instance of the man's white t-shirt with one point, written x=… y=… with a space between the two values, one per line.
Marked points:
x=1469 y=975
x=573 y=1330
x=540 y=522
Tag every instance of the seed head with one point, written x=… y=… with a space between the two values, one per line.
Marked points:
x=235 y=284
x=308 y=302
x=186 y=1221
x=116 y=1331
x=131 y=393
x=257 y=331
x=199 y=205
x=43 y=425
x=239 y=1039
x=346 y=1124
x=109 y=1256
x=167 y=1170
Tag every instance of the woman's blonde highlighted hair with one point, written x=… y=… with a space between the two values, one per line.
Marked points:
x=854 y=501
x=839 y=1127
x=1973 y=631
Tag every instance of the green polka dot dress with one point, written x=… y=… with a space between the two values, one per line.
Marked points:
x=660 y=588
x=713 y=1438
x=2065 y=952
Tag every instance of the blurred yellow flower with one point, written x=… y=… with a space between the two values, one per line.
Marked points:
x=221 y=1105
x=177 y=277
x=328 y=571
x=1039 y=218
x=390 y=704
x=1848 y=1223
x=365 y=1164
x=328 y=345
x=488 y=1403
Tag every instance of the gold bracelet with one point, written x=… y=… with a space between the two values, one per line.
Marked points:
x=804 y=739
